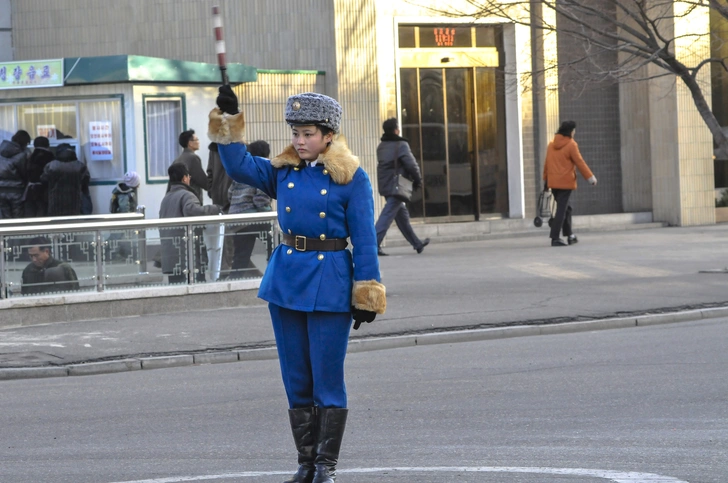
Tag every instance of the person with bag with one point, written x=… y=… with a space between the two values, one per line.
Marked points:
x=559 y=174
x=314 y=285
x=395 y=162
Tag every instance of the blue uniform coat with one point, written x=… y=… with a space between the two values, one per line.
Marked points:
x=331 y=200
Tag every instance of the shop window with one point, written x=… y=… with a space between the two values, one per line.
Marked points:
x=101 y=142
x=163 y=125
x=94 y=127
x=7 y=122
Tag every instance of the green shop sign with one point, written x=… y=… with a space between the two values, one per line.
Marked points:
x=34 y=73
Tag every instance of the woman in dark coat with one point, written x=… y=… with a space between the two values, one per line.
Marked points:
x=67 y=179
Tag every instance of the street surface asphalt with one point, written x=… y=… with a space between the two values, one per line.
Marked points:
x=449 y=287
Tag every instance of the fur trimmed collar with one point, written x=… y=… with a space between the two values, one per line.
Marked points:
x=337 y=159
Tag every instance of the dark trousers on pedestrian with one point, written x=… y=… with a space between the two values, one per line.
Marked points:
x=11 y=203
x=562 y=219
x=311 y=351
x=396 y=210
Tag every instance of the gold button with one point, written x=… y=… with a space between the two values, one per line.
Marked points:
x=296 y=169
x=320 y=257
x=323 y=237
x=323 y=192
x=290 y=185
x=288 y=209
x=322 y=214
x=326 y=171
x=289 y=251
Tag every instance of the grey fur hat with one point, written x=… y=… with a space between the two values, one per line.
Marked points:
x=311 y=108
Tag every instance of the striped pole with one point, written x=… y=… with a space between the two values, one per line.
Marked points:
x=220 y=44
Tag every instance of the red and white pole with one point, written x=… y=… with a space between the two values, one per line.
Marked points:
x=220 y=44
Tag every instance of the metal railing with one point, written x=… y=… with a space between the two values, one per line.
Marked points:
x=115 y=254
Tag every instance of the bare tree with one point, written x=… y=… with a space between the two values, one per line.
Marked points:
x=639 y=32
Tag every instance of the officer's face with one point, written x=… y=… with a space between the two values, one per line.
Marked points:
x=38 y=255
x=309 y=141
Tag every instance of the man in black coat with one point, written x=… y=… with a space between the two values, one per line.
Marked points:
x=36 y=194
x=395 y=148
x=67 y=179
x=198 y=178
x=13 y=158
x=45 y=274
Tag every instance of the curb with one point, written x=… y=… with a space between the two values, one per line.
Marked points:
x=360 y=345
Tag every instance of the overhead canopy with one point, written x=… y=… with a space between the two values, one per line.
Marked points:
x=139 y=69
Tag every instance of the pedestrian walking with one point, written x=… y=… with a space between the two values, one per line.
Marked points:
x=313 y=284
x=67 y=179
x=394 y=157
x=13 y=160
x=35 y=197
x=559 y=174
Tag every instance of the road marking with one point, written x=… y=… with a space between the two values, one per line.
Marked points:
x=547 y=270
x=630 y=270
x=613 y=476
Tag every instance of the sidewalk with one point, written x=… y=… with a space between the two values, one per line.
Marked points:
x=452 y=292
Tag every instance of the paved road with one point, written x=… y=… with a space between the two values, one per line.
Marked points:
x=588 y=407
x=453 y=285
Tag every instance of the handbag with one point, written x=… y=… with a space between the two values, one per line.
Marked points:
x=544 y=208
x=403 y=185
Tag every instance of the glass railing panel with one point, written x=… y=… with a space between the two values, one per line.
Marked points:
x=173 y=253
x=55 y=263
x=247 y=249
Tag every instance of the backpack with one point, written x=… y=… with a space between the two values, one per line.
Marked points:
x=126 y=202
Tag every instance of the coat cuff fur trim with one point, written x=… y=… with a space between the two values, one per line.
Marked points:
x=369 y=295
x=225 y=128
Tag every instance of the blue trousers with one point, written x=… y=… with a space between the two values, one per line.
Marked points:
x=311 y=351
x=396 y=210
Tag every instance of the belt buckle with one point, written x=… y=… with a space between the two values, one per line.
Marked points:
x=295 y=245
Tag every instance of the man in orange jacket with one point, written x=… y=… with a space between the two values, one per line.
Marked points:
x=559 y=174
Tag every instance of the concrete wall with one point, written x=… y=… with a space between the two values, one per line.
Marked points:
x=6 y=34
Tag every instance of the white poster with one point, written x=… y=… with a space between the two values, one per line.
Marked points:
x=100 y=141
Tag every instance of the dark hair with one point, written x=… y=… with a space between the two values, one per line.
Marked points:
x=41 y=142
x=390 y=125
x=41 y=242
x=184 y=138
x=177 y=171
x=259 y=148
x=566 y=128
x=21 y=137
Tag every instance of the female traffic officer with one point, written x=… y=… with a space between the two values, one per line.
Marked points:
x=313 y=284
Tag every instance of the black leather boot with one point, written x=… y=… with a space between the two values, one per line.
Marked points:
x=303 y=427
x=331 y=424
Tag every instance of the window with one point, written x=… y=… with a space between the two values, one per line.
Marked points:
x=163 y=123
x=94 y=127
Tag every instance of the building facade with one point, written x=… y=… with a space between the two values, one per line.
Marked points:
x=477 y=120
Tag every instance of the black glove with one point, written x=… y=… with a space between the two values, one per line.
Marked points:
x=362 y=316
x=227 y=101
x=416 y=185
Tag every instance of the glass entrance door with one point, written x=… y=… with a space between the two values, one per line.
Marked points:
x=451 y=116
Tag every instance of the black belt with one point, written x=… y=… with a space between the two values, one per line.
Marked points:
x=304 y=244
